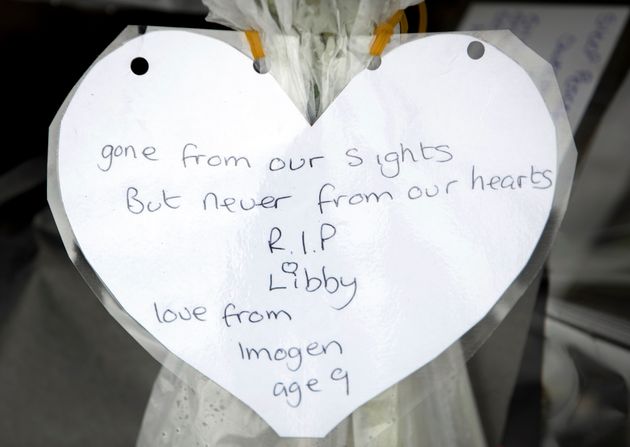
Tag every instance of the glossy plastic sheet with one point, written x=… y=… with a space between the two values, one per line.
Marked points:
x=216 y=418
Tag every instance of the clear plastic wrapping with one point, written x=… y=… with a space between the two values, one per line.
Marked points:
x=313 y=60
x=313 y=48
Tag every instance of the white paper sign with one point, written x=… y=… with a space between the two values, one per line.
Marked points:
x=304 y=268
x=576 y=40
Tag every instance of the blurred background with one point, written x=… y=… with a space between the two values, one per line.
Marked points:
x=70 y=376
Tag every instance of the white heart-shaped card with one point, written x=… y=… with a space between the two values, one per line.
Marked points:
x=305 y=269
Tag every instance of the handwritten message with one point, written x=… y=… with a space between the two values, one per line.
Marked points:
x=305 y=268
x=297 y=258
